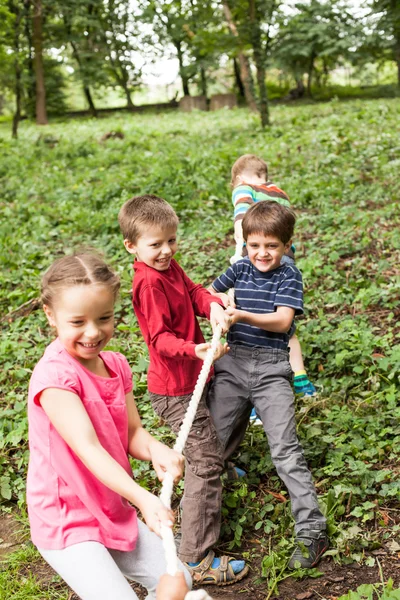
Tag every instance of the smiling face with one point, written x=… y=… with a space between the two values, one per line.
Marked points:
x=84 y=318
x=265 y=251
x=155 y=247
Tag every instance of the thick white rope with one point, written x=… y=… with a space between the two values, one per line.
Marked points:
x=167 y=485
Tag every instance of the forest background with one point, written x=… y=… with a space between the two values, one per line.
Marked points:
x=63 y=183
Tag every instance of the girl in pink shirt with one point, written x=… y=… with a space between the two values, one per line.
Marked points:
x=83 y=424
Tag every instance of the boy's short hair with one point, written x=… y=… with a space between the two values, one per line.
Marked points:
x=250 y=163
x=269 y=218
x=141 y=212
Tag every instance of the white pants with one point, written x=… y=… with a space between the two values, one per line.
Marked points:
x=95 y=572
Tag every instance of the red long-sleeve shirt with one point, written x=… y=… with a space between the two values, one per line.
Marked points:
x=166 y=304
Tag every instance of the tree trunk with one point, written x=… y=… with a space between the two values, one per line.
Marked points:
x=17 y=71
x=86 y=89
x=28 y=33
x=129 y=102
x=310 y=74
x=203 y=80
x=395 y=10
x=88 y=96
x=41 y=113
x=245 y=73
x=184 y=78
x=259 y=62
x=238 y=79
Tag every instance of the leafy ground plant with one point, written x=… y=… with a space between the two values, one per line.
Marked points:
x=339 y=164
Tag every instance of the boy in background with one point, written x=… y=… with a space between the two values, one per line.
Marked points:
x=256 y=372
x=250 y=185
x=166 y=303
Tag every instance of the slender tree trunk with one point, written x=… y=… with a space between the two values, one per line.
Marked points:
x=395 y=14
x=184 y=78
x=238 y=79
x=17 y=71
x=310 y=74
x=203 y=80
x=259 y=62
x=129 y=102
x=397 y=59
x=88 y=96
x=28 y=34
x=245 y=73
x=86 y=89
x=41 y=112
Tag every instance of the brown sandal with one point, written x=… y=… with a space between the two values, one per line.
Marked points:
x=204 y=574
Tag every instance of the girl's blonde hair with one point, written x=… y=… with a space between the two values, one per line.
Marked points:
x=78 y=269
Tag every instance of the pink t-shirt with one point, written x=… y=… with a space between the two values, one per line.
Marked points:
x=67 y=504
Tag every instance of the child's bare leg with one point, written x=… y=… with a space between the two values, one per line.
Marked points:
x=295 y=356
x=302 y=385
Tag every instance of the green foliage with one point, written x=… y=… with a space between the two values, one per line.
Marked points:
x=339 y=164
x=374 y=592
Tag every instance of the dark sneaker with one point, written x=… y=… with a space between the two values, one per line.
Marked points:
x=310 y=546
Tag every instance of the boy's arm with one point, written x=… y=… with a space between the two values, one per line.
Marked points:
x=279 y=321
x=242 y=199
x=155 y=309
x=200 y=297
x=224 y=282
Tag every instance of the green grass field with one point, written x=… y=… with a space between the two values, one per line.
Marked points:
x=61 y=189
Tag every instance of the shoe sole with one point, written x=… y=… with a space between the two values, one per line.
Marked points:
x=238 y=577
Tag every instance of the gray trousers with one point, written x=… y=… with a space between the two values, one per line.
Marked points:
x=95 y=572
x=201 y=505
x=247 y=377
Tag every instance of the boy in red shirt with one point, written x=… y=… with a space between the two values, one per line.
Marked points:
x=166 y=303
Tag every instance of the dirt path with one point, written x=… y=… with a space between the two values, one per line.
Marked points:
x=336 y=580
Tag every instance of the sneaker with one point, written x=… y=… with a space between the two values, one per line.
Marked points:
x=310 y=546
x=254 y=418
x=304 y=387
x=232 y=472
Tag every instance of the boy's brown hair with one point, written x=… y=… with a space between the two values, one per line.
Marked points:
x=141 y=212
x=249 y=163
x=269 y=218
x=79 y=269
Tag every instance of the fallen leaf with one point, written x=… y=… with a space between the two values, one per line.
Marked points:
x=393 y=546
x=304 y=595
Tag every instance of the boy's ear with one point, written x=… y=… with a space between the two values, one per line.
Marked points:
x=130 y=247
x=49 y=314
x=288 y=245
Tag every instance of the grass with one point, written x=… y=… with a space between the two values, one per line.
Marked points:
x=62 y=188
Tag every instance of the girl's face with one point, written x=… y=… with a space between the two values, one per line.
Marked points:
x=84 y=318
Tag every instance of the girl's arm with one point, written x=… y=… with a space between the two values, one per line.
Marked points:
x=69 y=417
x=278 y=322
x=144 y=446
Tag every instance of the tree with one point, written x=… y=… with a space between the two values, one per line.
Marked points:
x=385 y=36
x=119 y=29
x=251 y=23
x=317 y=31
x=82 y=31
x=244 y=63
x=41 y=113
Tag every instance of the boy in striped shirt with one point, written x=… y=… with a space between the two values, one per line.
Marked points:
x=250 y=185
x=256 y=372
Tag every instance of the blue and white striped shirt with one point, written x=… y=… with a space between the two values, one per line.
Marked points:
x=261 y=293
